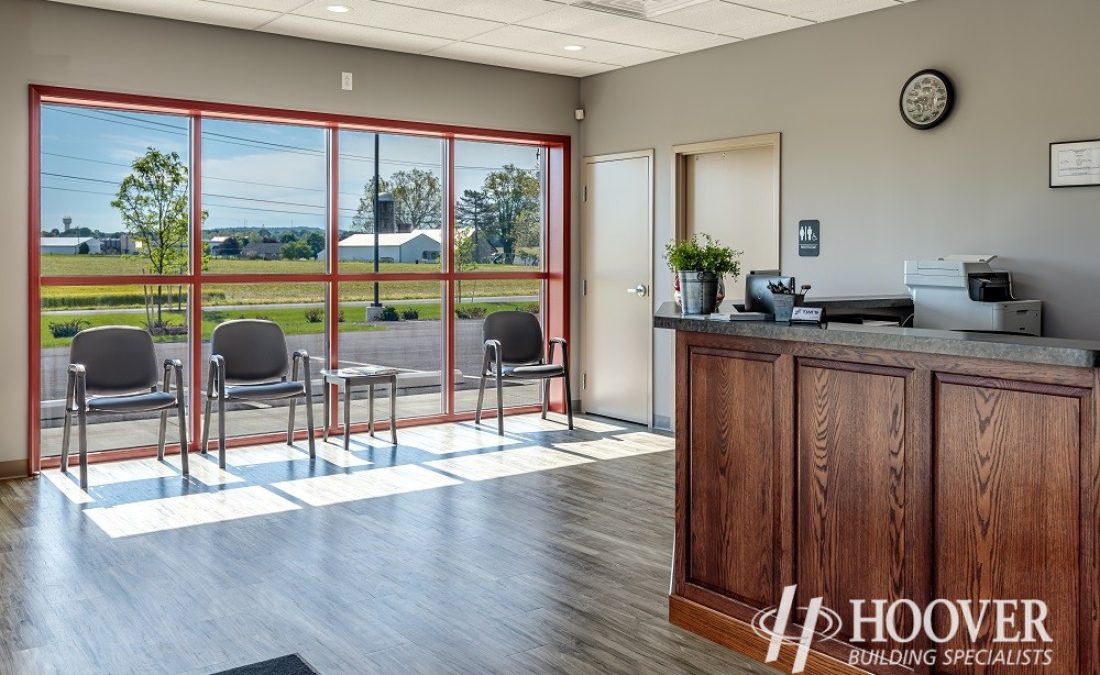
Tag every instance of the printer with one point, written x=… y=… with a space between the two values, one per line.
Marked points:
x=962 y=292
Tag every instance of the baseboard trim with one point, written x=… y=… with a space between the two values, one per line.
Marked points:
x=741 y=638
x=13 y=468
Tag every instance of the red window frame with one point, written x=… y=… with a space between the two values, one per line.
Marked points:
x=555 y=274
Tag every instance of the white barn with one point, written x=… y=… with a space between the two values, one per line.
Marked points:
x=404 y=247
x=68 y=245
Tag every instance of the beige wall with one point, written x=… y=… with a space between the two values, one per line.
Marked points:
x=1026 y=75
x=48 y=43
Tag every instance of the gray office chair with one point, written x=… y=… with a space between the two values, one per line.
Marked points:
x=514 y=339
x=118 y=366
x=248 y=362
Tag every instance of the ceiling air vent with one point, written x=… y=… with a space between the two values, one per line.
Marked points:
x=637 y=9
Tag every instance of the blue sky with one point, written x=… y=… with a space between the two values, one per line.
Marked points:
x=254 y=174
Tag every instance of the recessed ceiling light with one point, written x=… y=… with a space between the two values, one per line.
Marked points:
x=572 y=48
x=339 y=9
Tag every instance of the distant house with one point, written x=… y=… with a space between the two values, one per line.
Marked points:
x=264 y=250
x=68 y=245
x=404 y=247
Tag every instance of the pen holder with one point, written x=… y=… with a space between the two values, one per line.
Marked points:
x=784 y=306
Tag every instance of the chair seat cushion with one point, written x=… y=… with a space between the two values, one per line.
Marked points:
x=153 y=400
x=533 y=370
x=267 y=390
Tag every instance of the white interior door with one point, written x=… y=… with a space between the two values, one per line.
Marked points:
x=617 y=245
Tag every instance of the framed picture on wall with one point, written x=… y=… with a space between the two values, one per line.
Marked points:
x=1075 y=164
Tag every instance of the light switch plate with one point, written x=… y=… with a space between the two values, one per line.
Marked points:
x=345 y=81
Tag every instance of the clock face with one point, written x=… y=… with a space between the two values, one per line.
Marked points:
x=926 y=99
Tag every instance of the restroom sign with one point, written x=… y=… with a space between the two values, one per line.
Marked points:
x=809 y=238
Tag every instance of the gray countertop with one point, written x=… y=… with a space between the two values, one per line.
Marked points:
x=1020 y=348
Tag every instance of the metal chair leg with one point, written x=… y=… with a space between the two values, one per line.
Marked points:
x=370 y=415
x=393 y=409
x=326 y=420
x=309 y=424
x=221 y=432
x=181 y=412
x=290 y=423
x=65 y=434
x=82 y=442
x=163 y=432
x=500 y=404
x=480 y=398
x=545 y=397
x=568 y=400
x=206 y=426
x=347 y=416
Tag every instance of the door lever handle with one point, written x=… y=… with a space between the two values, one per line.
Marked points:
x=640 y=290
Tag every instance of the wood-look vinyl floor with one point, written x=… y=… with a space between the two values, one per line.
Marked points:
x=548 y=553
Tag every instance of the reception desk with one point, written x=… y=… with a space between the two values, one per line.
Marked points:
x=863 y=463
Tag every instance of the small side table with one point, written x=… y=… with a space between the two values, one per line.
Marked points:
x=350 y=377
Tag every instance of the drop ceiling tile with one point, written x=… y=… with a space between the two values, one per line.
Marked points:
x=498 y=56
x=280 y=6
x=820 y=10
x=613 y=28
x=552 y=44
x=387 y=16
x=351 y=34
x=505 y=11
x=199 y=11
x=729 y=19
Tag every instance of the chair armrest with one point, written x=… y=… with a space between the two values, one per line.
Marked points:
x=215 y=382
x=493 y=345
x=554 y=341
x=75 y=387
x=302 y=356
x=173 y=366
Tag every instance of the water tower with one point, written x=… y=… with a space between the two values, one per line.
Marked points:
x=67 y=221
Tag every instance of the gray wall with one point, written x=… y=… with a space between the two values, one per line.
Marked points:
x=1026 y=75
x=48 y=43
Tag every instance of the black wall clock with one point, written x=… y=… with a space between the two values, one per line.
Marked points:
x=926 y=99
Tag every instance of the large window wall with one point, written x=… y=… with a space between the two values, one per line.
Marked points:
x=368 y=241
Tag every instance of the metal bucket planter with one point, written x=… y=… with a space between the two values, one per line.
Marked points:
x=784 y=306
x=698 y=292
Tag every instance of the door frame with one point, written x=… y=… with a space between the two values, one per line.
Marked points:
x=587 y=162
x=681 y=154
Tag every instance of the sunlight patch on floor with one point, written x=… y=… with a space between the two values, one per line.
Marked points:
x=445 y=439
x=67 y=485
x=169 y=513
x=556 y=422
x=608 y=448
x=262 y=454
x=349 y=487
x=204 y=470
x=506 y=463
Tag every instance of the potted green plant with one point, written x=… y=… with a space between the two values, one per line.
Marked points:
x=699 y=268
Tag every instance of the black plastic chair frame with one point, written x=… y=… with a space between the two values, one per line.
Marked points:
x=497 y=368
x=78 y=403
x=216 y=390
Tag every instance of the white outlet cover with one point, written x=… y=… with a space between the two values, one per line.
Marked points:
x=345 y=81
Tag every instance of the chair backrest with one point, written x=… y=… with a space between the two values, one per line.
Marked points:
x=116 y=359
x=519 y=333
x=254 y=350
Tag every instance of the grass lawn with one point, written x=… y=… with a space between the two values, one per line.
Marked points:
x=86 y=297
x=292 y=320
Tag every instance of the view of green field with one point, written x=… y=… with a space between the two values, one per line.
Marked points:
x=260 y=293
x=297 y=307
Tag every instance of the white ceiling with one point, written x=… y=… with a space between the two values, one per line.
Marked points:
x=525 y=34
